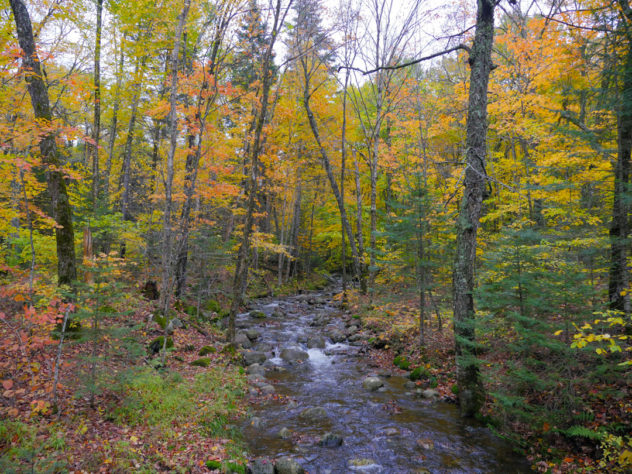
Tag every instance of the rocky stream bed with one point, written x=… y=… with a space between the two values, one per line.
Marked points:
x=318 y=406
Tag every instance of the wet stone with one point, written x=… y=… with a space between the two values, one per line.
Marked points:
x=262 y=466
x=372 y=383
x=288 y=465
x=254 y=357
x=330 y=440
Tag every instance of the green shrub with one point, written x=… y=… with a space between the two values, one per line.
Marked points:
x=213 y=305
x=419 y=373
x=401 y=362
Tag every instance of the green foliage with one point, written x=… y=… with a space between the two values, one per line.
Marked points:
x=419 y=373
x=213 y=305
x=532 y=288
x=402 y=362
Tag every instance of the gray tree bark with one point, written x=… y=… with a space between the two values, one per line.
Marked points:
x=56 y=186
x=470 y=389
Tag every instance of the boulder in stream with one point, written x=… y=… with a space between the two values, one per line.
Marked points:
x=253 y=357
x=262 y=466
x=428 y=393
x=284 y=433
x=256 y=314
x=241 y=340
x=252 y=334
x=256 y=369
x=288 y=465
x=292 y=354
x=336 y=335
x=313 y=414
x=372 y=383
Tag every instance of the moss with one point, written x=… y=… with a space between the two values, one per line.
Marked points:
x=419 y=373
x=203 y=362
x=454 y=389
x=401 y=362
x=206 y=350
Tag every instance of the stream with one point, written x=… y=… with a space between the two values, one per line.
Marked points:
x=389 y=430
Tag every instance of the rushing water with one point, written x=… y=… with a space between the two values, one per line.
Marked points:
x=395 y=430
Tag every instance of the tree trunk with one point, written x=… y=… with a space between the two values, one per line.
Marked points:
x=332 y=181
x=96 y=127
x=127 y=154
x=167 y=251
x=358 y=190
x=241 y=268
x=113 y=129
x=619 y=228
x=471 y=393
x=62 y=212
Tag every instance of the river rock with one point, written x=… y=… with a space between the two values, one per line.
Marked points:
x=256 y=422
x=425 y=443
x=330 y=440
x=253 y=357
x=336 y=335
x=314 y=414
x=252 y=334
x=262 y=466
x=361 y=462
x=372 y=383
x=291 y=354
x=352 y=330
x=267 y=389
x=288 y=465
x=428 y=393
x=241 y=340
x=256 y=314
x=284 y=433
x=277 y=314
x=256 y=369
x=316 y=342
x=263 y=347
x=410 y=385
x=391 y=431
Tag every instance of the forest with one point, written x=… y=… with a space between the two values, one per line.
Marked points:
x=210 y=207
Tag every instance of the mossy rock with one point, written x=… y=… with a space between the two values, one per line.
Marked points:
x=454 y=389
x=206 y=350
x=419 y=373
x=356 y=316
x=257 y=314
x=402 y=363
x=203 y=362
x=155 y=346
